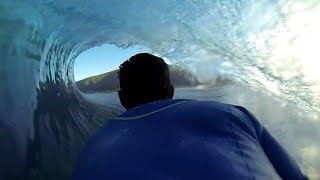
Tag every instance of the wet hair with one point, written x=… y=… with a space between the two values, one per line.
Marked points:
x=144 y=78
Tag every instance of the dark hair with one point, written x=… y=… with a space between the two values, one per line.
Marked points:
x=144 y=78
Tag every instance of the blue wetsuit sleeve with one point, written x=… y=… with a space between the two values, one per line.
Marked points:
x=283 y=163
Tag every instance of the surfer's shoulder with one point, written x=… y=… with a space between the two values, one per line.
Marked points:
x=209 y=106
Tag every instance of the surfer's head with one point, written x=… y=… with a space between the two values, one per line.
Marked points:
x=144 y=78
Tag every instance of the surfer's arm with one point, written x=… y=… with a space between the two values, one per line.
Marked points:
x=283 y=163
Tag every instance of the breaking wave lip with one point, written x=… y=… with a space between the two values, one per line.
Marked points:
x=266 y=45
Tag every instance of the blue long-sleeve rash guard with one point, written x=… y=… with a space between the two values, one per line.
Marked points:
x=182 y=140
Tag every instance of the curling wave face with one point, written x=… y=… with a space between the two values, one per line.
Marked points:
x=270 y=46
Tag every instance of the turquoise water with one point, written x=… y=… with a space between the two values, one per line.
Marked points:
x=268 y=47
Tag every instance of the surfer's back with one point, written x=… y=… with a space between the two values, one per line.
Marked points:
x=179 y=139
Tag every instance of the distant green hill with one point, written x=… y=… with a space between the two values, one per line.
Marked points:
x=108 y=82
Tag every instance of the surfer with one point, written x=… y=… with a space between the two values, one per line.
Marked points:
x=159 y=137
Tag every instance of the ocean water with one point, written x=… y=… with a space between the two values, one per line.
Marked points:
x=268 y=48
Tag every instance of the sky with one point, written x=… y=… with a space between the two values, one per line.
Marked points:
x=101 y=59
